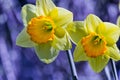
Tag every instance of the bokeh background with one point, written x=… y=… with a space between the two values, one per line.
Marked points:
x=17 y=63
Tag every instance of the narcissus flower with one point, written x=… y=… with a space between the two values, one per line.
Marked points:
x=95 y=40
x=45 y=29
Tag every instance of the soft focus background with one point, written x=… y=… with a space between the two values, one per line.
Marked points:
x=17 y=63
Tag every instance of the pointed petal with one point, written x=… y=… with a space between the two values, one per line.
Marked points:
x=76 y=31
x=110 y=32
x=28 y=12
x=113 y=52
x=44 y=6
x=79 y=54
x=23 y=39
x=91 y=23
x=54 y=13
x=98 y=63
x=62 y=43
x=46 y=53
x=64 y=17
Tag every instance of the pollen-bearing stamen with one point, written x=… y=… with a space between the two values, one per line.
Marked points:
x=41 y=29
x=94 y=45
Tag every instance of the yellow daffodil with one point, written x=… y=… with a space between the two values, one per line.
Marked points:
x=45 y=29
x=95 y=40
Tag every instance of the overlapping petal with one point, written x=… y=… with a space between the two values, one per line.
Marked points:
x=110 y=32
x=62 y=43
x=76 y=30
x=91 y=23
x=113 y=52
x=54 y=13
x=46 y=53
x=79 y=54
x=23 y=39
x=28 y=12
x=44 y=7
x=98 y=63
x=64 y=17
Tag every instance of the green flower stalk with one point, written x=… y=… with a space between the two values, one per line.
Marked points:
x=45 y=29
x=95 y=41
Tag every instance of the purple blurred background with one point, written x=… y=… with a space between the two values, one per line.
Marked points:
x=17 y=63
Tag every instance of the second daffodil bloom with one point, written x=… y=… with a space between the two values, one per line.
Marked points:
x=45 y=29
x=95 y=40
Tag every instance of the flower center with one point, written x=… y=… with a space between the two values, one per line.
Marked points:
x=41 y=29
x=94 y=45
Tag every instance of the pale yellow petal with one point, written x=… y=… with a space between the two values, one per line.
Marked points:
x=62 y=43
x=99 y=63
x=44 y=7
x=110 y=32
x=64 y=17
x=28 y=12
x=54 y=13
x=91 y=23
x=113 y=52
x=46 y=53
x=23 y=39
x=76 y=31
x=79 y=53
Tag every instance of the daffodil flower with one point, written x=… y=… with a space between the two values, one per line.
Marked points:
x=45 y=29
x=95 y=41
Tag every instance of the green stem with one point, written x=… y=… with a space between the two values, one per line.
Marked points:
x=72 y=65
x=114 y=69
x=107 y=71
